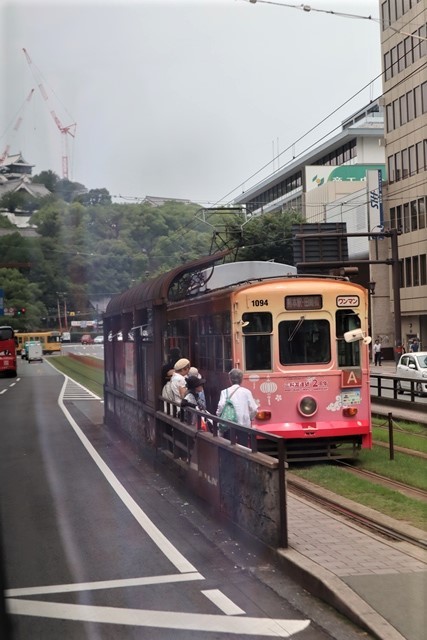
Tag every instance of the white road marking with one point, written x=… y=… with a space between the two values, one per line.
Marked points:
x=12 y=384
x=103 y=584
x=159 y=619
x=4 y=391
x=167 y=548
x=226 y=605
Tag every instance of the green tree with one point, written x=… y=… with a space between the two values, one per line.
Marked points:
x=20 y=293
x=12 y=200
x=94 y=197
x=48 y=178
x=269 y=237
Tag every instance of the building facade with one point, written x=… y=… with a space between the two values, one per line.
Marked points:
x=404 y=60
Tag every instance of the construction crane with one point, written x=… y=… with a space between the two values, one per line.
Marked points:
x=65 y=131
x=16 y=126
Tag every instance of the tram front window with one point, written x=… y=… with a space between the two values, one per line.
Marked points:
x=304 y=341
x=257 y=329
x=348 y=352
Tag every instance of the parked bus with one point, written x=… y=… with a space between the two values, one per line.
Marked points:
x=7 y=351
x=300 y=340
x=50 y=340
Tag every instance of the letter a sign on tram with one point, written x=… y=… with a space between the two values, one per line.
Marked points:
x=351 y=378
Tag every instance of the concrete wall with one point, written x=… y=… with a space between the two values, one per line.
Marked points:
x=241 y=486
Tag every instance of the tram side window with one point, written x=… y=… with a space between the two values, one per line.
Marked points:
x=304 y=341
x=215 y=343
x=178 y=332
x=348 y=352
x=257 y=335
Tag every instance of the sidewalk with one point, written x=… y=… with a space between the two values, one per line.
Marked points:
x=377 y=583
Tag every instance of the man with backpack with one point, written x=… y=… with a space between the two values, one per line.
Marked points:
x=236 y=403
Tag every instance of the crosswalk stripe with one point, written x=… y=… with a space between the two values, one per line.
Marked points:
x=276 y=628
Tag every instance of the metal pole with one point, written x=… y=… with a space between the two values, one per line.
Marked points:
x=390 y=435
x=396 y=288
x=59 y=315
x=65 y=314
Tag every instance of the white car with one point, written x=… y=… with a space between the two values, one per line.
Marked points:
x=414 y=367
x=99 y=340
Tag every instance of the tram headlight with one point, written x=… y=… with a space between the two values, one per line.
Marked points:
x=350 y=412
x=307 y=406
x=263 y=415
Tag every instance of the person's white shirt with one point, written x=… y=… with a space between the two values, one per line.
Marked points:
x=243 y=401
x=178 y=386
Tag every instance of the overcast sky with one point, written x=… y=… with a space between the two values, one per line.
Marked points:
x=180 y=99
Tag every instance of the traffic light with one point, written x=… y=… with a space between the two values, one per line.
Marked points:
x=20 y=312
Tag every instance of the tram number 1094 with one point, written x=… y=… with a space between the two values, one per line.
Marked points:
x=259 y=303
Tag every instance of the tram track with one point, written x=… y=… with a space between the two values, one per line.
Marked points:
x=360 y=515
x=405 y=489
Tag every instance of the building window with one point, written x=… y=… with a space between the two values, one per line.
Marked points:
x=415 y=271
x=406 y=221
x=423 y=269
x=399 y=217
x=419 y=156
x=414 y=215
x=423 y=43
x=385 y=15
x=424 y=97
x=397 y=166
x=402 y=281
x=390 y=169
x=394 y=67
x=408 y=51
x=418 y=109
x=389 y=118
x=421 y=213
x=393 y=218
x=408 y=272
x=405 y=163
x=400 y=57
x=412 y=161
x=410 y=106
x=415 y=47
x=403 y=111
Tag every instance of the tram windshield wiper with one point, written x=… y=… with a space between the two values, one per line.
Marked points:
x=297 y=327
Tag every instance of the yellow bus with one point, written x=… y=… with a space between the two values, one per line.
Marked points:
x=50 y=340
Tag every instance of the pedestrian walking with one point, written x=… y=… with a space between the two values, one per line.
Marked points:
x=377 y=353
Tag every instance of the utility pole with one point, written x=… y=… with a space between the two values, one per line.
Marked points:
x=396 y=287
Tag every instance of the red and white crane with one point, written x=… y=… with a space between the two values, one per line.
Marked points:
x=69 y=130
x=16 y=126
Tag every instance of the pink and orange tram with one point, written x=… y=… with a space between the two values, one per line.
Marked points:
x=301 y=342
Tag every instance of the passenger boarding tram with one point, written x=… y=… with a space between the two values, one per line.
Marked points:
x=300 y=340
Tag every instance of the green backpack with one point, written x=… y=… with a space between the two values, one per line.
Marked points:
x=228 y=413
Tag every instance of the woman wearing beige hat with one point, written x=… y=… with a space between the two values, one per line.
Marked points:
x=178 y=382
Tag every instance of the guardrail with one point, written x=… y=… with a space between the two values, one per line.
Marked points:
x=386 y=382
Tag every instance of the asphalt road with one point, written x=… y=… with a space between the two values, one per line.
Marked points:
x=98 y=544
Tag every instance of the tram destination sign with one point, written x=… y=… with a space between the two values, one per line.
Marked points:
x=302 y=303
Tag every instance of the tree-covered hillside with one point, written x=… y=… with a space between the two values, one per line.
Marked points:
x=88 y=246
